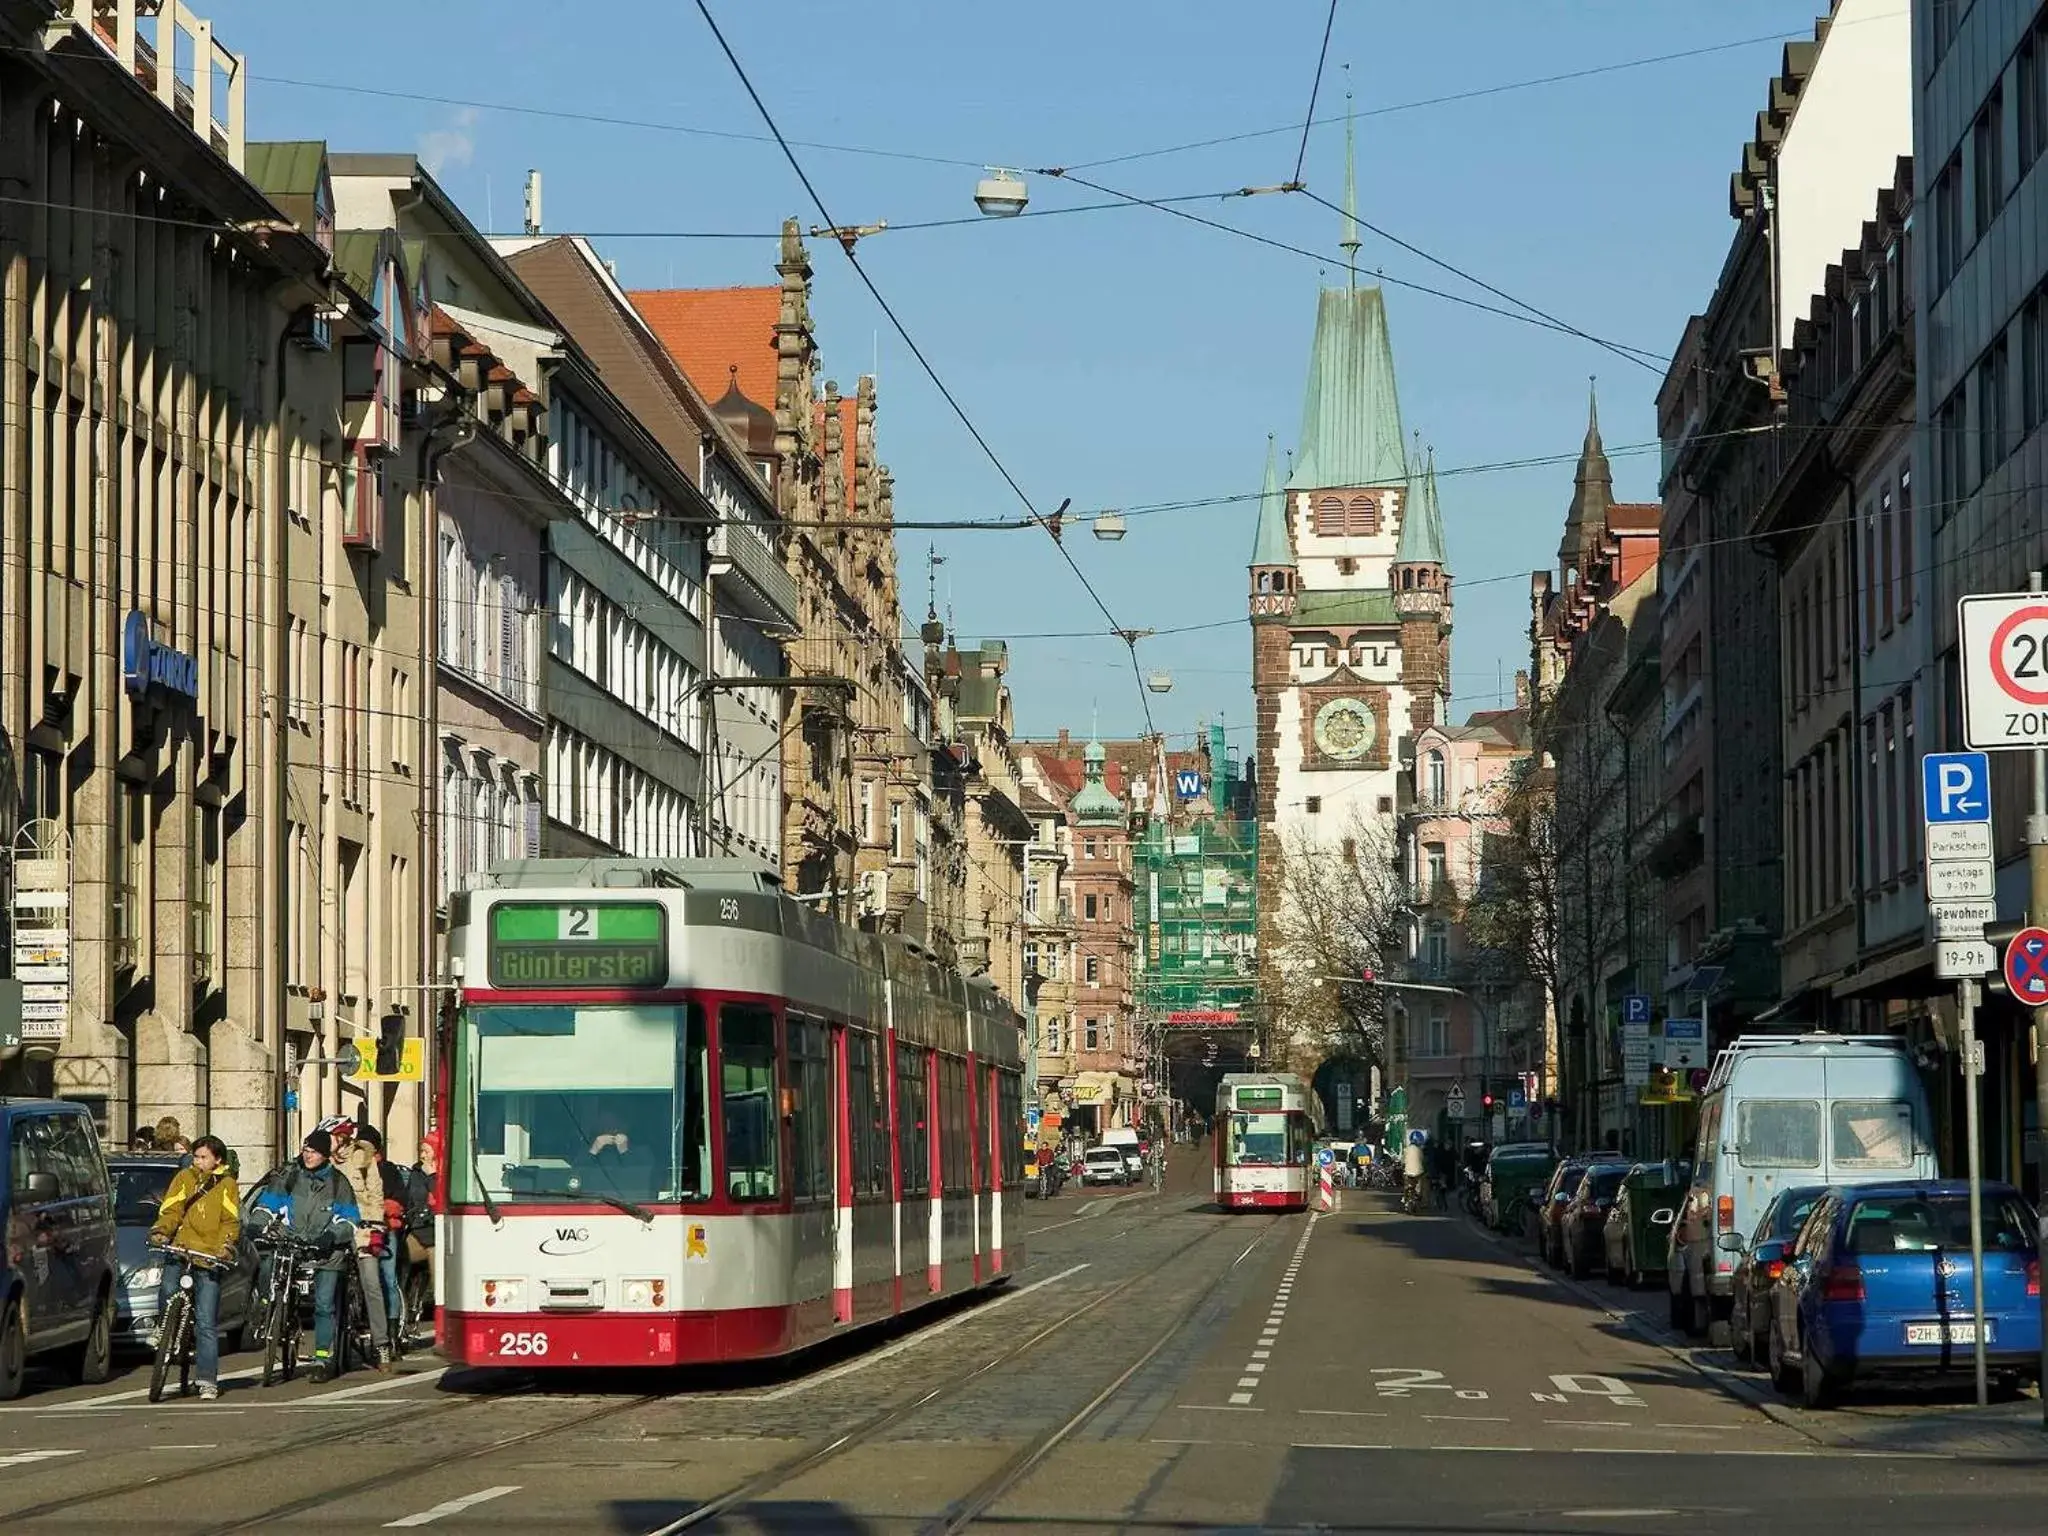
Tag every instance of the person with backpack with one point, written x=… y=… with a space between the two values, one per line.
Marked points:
x=200 y=1212
x=318 y=1204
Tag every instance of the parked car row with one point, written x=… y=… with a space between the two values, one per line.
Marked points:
x=1811 y=1222
x=1840 y=1284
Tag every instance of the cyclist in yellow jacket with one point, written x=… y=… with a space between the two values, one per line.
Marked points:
x=201 y=1212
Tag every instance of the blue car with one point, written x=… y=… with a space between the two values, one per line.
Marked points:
x=1879 y=1284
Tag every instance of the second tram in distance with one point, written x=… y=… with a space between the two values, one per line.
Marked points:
x=1265 y=1130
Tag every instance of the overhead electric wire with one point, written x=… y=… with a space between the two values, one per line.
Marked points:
x=903 y=333
x=1640 y=356
x=1523 y=316
x=1449 y=98
x=1314 y=90
x=604 y=119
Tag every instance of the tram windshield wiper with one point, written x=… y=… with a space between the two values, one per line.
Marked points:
x=616 y=1202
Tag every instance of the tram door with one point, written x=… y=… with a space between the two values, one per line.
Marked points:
x=813 y=1115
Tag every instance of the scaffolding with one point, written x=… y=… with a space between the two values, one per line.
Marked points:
x=1198 y=926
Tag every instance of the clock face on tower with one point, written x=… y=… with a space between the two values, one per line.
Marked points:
x=1345 y=729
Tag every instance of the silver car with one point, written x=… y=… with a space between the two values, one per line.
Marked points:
x=140 y=1180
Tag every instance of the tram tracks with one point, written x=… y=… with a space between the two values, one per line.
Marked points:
x=441 y=1408
x=1019 y=1465
x=403 y=1428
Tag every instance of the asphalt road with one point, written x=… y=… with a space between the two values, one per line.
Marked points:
x=1157 y=1366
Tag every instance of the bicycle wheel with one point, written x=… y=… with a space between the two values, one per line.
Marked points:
x=170 y=1330
x=277 y=1322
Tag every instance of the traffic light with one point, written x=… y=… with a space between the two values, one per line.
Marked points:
x=1368 y=975
x=1486 y=1102
x=1998 y=936
x=390 y=1044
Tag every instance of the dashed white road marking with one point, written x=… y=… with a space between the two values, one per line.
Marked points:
x=372 y=1388
x=26 y=1458
x=1248 y=1383
x=451 y=1507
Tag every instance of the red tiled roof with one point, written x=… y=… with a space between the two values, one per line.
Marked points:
x=709 y=331
x=1636 y=516
x=1069 y=773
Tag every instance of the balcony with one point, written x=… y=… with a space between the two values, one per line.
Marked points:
x=749 y=575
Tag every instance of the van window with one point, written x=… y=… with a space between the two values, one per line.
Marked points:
x=30 y=1151
x=1778 y=1133
x=1709 y=1140
x=80 y=1174
x=1869 y=1133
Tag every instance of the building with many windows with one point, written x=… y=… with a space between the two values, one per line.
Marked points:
x=217 y=540
x=494 y=506
x=626 y=576
x=1980 y=151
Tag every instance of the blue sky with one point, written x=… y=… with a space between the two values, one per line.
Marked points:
x=1120 y=358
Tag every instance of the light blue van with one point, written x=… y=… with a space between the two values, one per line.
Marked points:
x=1785 y=1110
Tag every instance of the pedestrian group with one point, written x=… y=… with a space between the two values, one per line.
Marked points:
x=339 y=1197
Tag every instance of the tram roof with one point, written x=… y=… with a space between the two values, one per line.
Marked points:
x=770 y=910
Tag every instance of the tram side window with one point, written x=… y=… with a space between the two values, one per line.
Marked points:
x=868 y=1106
x=1010 y=1125
x=746 y=1034
x=953 y=1109
x=811 y=1127
x=913 y=1119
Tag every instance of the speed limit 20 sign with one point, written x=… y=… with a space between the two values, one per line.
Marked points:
x=2005 y=670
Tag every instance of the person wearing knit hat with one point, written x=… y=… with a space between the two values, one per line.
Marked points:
x=310 y=1195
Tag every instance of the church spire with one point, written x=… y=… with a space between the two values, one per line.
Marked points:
x=1592 y=488
x=1350 y=243
x=1271 y=546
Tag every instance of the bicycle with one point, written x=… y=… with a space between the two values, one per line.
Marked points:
x=288 y=1275
x=177 y=1329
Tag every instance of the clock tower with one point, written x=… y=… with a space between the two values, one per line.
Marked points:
x=1349 y=603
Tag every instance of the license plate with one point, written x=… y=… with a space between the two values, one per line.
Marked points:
x=1946 y=1333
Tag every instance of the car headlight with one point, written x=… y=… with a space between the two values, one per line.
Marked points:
x=151 y=1275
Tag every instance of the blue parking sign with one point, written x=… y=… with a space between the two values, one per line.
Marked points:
x=1955 y=786
x=1635 y=1008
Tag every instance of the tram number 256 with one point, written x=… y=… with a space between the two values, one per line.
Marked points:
x=523 y=1344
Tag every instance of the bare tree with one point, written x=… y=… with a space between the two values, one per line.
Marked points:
x=1343 y=911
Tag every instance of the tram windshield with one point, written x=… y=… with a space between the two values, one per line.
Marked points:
x=1262 y=1139
x=581 y=1101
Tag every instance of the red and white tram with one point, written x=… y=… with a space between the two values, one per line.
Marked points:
x=1265 y=1133
x=690 y=1120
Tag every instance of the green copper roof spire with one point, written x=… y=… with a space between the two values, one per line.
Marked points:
x=1094 y=805
x=1350 y=243
x=1271 y=545
x=1351 y=416
x=1422 y=524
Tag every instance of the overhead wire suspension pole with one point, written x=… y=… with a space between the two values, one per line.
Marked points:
x=2037 y=913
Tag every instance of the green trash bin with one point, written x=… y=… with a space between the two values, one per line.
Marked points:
x=1638 y=1241
x=1512 y=1171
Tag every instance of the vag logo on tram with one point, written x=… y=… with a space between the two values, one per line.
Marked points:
x=566 y=1238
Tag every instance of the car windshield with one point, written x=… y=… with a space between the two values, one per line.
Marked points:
x=1569 y=1181
x=1604 y=1181
x=1789 y=1214
x=1105 y=1155
x=1923 y=1223
x=138 y=1190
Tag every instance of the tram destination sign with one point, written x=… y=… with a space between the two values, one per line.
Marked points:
x=578 y=944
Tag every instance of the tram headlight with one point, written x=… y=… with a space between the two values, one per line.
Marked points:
x=646 y=1293
x=503 y=1293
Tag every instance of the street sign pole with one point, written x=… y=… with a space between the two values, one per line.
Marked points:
x=2037 y=913
x=1966 y=1003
